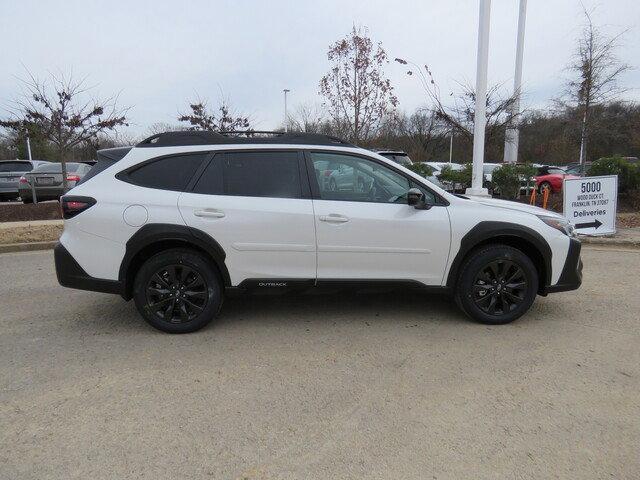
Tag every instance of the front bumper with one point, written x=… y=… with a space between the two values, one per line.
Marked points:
x=71 y=274
x=571 y=276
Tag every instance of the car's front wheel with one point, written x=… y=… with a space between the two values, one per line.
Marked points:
x=497 y=284
x=178 y=291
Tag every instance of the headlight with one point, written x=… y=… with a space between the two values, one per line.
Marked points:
x=559 y=224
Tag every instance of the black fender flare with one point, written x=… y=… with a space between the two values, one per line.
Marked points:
x=157 y=233
x=484 y=232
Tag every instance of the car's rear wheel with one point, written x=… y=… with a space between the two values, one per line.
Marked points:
x=178 y=291
x=497 y=284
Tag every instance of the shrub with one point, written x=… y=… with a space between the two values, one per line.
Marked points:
x=506 y=179
x=628 y=173
x=447 y=174
x=421 y=169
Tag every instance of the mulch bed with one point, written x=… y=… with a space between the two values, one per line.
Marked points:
x=17 y=212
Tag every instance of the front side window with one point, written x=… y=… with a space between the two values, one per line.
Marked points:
x=356 y=179
x=252 y=174
x=168 y=173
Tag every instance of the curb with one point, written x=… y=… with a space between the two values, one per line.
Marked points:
x=27 y=247
x=611 y=242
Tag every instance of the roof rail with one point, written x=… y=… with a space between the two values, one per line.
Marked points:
x=202 y=137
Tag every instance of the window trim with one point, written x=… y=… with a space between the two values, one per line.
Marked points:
x=123 y=175
x=315 y=188
x=305 y=187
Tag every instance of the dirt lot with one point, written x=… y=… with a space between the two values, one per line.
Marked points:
x=37 y=233
x=19 y=212
x=393 y=386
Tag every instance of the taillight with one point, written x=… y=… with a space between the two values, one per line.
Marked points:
x=23 y=180
x=72 y=206
x=73 y=178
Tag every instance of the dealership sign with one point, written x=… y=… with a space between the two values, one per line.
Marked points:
x=590 y=204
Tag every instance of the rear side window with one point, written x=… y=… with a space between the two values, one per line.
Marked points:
x=168 y=173
x=252 y=174
x=15 y=167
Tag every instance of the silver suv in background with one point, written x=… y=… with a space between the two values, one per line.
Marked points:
x=398 y=156
x=10 y=173
x=46 y=180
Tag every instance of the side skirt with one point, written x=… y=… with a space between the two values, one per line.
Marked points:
x=275 y=286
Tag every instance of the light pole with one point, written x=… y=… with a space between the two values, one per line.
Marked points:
x=286 y=115
x=511 y=135
x=481 y=100
x=28 y=147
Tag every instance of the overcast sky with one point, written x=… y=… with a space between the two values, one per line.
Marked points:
x=160 y=54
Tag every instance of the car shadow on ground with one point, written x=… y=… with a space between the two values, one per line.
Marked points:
x=109 y=313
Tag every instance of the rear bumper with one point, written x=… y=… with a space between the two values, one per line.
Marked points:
x=571 y=276
x=70 y=274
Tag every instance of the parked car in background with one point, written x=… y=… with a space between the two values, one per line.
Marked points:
x=551 y=178
x=47 y=181
x=397 y=156
x=10 y=173
x=575 y=169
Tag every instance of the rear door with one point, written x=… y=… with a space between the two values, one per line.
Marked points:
x=257 y=206
x=367 y=231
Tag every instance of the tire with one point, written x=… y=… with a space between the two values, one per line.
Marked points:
x=543 y=186
x=164 y=276
x=498 y=304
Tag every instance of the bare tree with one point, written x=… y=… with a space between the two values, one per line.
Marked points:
x=221 y=120
x=59 y=112
x=307 y=118
x=357 y=93
x=459 y=114
x=597 y=69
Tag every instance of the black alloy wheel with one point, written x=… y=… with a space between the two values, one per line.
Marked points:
x=499 y=287
x=176 y=294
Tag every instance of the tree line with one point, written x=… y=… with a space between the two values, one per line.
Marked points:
x=358 y=102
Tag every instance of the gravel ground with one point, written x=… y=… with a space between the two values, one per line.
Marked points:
x=382 y=386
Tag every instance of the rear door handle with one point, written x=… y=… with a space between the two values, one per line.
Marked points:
x=208 y=213
x=333 y=218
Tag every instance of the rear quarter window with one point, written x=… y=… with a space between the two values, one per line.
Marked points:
x=167 y=173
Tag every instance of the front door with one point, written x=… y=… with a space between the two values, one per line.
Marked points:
x=365 y=229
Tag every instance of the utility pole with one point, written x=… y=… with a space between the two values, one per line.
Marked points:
x=480 y=118
x=286 y=115
x=512 y=135
x=451 y=146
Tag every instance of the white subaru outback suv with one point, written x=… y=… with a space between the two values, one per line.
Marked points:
x=184 y=218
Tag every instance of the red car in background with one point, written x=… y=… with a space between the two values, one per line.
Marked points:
x=551 y=178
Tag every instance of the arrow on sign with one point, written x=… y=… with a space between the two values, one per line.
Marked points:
x=595 y=224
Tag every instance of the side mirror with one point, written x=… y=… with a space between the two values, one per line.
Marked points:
x=416 y=199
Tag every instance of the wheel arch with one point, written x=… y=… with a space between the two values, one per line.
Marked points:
x=525 y=239
x=157 y=237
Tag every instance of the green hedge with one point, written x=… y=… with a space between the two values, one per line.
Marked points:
x=628 y=173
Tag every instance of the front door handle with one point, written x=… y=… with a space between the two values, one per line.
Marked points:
x=208 y=213
x=333 y=218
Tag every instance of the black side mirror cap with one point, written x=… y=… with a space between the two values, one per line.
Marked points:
x=416 y=199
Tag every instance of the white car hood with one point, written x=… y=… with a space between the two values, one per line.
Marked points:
x=510 y=205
